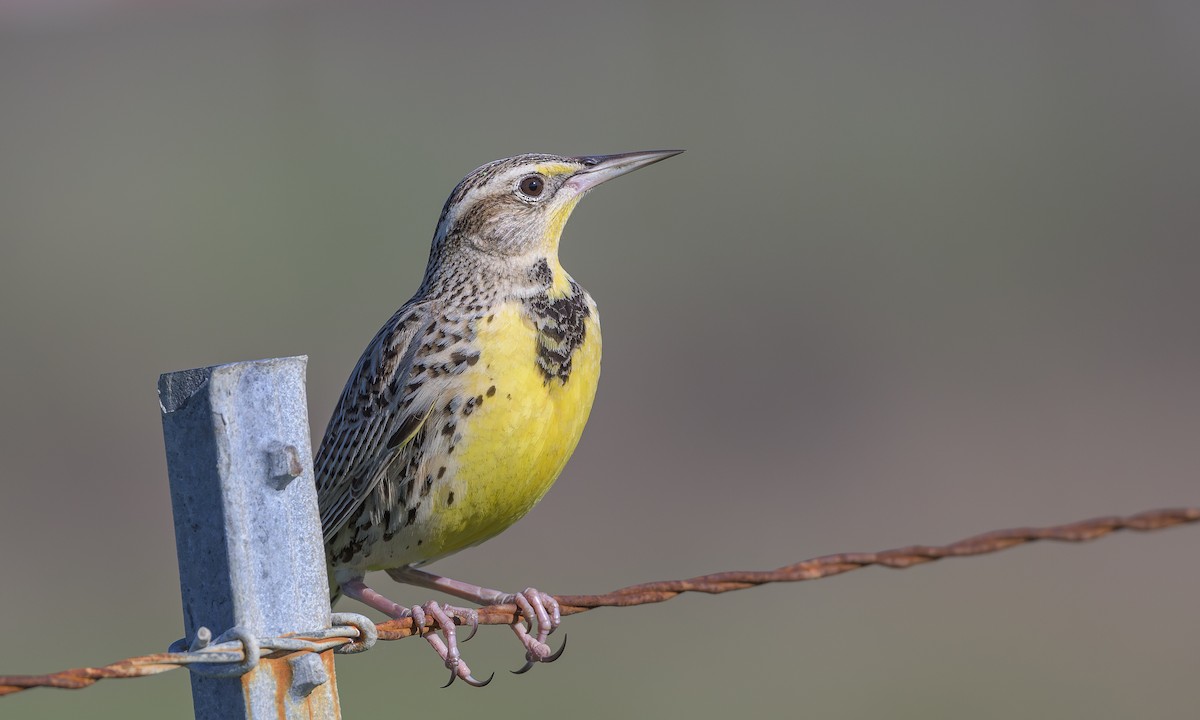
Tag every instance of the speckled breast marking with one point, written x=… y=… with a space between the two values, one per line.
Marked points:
x=518 y=424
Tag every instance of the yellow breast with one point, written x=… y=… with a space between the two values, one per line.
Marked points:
x=520 y=433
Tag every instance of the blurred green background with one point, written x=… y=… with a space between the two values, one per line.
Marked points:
x=927 y=269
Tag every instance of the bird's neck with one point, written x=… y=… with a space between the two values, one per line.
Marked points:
x=519 y=278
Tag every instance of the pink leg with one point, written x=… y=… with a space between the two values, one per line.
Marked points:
x=446 y=649
x=538 y=608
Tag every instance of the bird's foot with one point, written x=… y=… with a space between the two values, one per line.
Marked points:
x=447 y=617
x=446 y=646
x=540 y=614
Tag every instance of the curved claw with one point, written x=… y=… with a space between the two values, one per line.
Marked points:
x=558 y=653
x=523 y=669
x=468 y=678
x=478 y=683
x=475 y=629
x=530 y=660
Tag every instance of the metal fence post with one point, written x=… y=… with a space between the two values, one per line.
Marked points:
x=247 y=531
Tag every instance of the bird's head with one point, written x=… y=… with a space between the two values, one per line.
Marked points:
x=514 y=210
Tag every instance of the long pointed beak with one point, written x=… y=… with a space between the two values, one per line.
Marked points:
x=602 y=168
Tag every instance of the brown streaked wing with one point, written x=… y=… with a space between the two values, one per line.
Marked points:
x=376 y=415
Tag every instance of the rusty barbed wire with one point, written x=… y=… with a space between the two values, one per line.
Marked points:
x=235 y=652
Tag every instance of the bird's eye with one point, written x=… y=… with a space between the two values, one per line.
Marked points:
x=532 y=186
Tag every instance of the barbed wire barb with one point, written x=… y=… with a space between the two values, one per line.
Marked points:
x=355 y=633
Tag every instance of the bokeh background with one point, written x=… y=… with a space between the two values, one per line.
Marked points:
x=927 y=269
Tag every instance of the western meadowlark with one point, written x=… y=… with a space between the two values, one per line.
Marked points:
x=466 y=405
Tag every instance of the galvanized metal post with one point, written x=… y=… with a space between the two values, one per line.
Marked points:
x=247 y=530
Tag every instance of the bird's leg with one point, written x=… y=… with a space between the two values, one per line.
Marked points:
x=539 y=609
x=446 y=649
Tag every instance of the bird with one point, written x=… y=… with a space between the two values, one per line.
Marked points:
x=466 y=405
